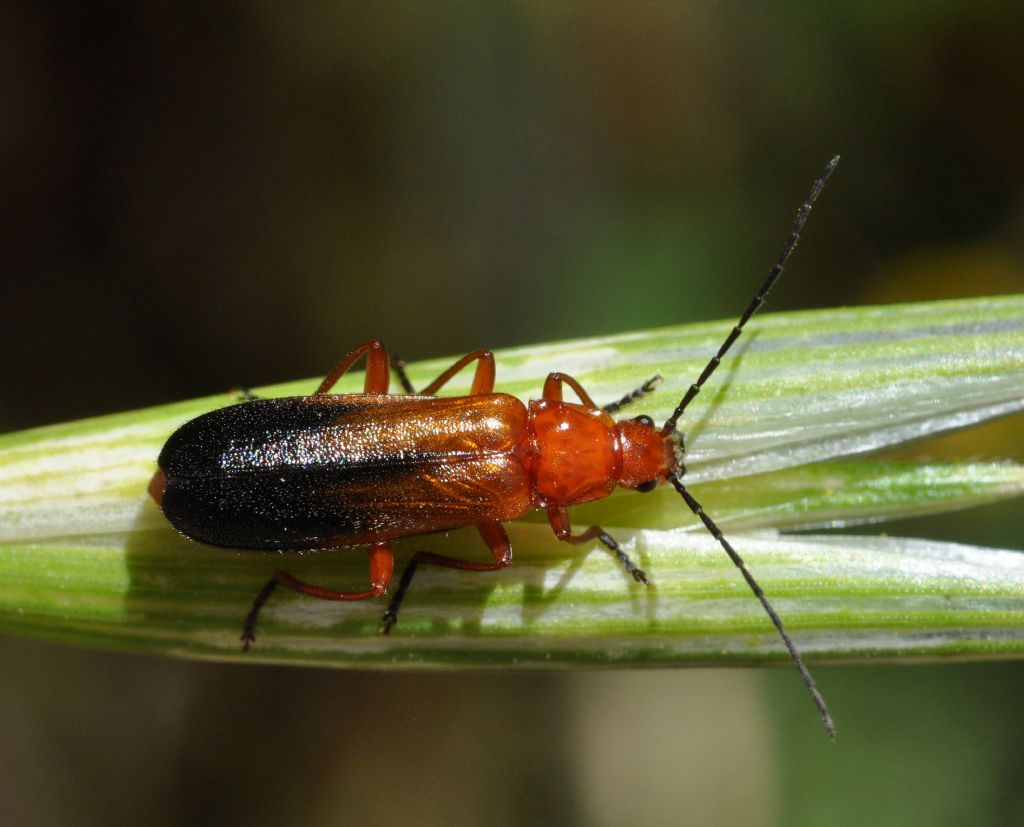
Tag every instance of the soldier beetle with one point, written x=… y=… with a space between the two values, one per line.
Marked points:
x=328 y=471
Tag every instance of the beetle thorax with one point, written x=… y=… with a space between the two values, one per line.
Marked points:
x=575 y=454
x=580 y=454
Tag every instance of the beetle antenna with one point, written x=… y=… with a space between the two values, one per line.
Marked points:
x=798 y=661
x=773 y=276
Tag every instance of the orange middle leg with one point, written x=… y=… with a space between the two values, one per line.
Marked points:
x=378 y=369
x=483 y=379
x=553 y=388
x=501 y=551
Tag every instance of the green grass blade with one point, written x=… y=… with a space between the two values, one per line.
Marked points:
x=842 y=597
x=828 y=494
x=85 y=556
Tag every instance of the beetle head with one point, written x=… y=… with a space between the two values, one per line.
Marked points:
x=647 y=456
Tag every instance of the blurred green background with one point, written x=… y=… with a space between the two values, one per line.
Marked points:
x=200 y=196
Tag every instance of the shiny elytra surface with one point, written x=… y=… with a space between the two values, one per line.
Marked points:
x=312 y=472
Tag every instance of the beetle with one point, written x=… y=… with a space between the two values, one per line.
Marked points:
x=327 y=471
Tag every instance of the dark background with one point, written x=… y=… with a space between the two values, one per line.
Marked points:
x=196 y=197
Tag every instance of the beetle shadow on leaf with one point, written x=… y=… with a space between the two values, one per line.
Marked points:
x=190 y=599
x=193 y=599
x=539 y=599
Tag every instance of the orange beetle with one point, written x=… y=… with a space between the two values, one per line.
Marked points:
x=327 y=471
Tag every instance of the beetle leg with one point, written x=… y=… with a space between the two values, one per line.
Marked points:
x=243 y=394
x=483 y=379
x=562 y=527
x=381 y=568
x=553 y=388
x=633 y=395
x=398 y=366
x=378 y=373
x=501 y=550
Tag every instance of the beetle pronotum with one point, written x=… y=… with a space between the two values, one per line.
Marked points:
x=327 y=470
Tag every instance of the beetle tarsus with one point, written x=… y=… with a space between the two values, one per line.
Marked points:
x=249 y=627
x=632 y=396
x=398 y=366
x=390 y=617
x=631 y=568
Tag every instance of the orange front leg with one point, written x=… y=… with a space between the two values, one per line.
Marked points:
x=553 y=388
x=553 y=391
x=382 y=567
x=560 y=524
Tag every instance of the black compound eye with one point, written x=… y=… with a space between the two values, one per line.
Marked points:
x=645 y=420
x=647 y=487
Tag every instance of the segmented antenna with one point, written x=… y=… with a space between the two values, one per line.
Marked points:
x=710 y=368
x=773 y=276
x=798 y=661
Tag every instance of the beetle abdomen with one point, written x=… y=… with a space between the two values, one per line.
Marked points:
x=310 y=472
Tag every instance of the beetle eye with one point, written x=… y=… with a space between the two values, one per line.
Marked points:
x=645 y=420
x=647 y=487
